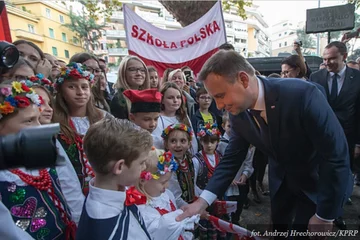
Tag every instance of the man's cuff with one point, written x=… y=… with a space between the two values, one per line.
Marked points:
x=246 y=173
x=323 y=219
x=208 y=196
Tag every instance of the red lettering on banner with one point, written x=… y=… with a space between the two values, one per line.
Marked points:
x=216 y=26
x=143 y=32
x=197 y=39
x=182 y=43
x=134 y=32
x=190 y=40
x=202 y=33
x=158 y=42
x=208 y=29
x=149 y=39
x=165 y=45
x=173 y=45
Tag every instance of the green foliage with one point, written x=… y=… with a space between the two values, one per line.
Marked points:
x=239 y=4
x=97 y=11
x=84 y=27
x=306 y=39
x=355 y=54
x=356 y=2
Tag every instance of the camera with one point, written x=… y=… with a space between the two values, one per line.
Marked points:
x=189 y=74
x=32 y=148
x=298 y=42
x=9 y=55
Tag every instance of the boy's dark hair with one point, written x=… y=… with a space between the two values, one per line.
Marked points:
x=226 y=46
x=104 y=143
x=208 y=138
x=339 y=45
x=200 y=92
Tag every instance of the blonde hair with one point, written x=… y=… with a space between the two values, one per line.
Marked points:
x=172 y=73
x=151 y=166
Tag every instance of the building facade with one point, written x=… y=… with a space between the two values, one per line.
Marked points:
x=41 y=22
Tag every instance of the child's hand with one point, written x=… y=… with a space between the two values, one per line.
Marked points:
x=242 y=180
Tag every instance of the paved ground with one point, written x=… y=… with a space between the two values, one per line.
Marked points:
x=258 y=214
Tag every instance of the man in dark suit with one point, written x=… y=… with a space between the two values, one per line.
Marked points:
x=291 y=122
x=342 y=86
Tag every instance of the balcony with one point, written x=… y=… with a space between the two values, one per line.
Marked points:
x=100 y=52
x=117 y=17
x=115 y=34
x=229 y=31
x=241 y=34
x=115 y=52
x=19 y=33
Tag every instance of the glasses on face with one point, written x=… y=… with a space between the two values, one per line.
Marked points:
x=205 y=98
x=93 y=70
x=135 y=70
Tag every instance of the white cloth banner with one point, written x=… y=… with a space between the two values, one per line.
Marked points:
x=175 y=46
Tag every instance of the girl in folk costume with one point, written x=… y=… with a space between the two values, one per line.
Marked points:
x=177 y=140
x=205 y=163
x=34 y=197
x=160 y=210
x=173 y=111
x=75 y=111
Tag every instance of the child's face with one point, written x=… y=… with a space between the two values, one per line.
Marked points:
x=227 y=127
x=209 y=146
x=204 y=101
x=76 y=93
x=135 y=74
x=172 y=100
x=178 y=78
x=178 y=143
x=26 y=117
x=156 y=187
x=147 y=121
x=130 y=175
x=46 y=110
x=154 y=79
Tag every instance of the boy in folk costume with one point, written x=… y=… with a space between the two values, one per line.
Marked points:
x=145 y=107
x=117 y=150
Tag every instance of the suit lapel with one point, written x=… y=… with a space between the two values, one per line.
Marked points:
x=272 y=112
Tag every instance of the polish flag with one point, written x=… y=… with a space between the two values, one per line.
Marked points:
x=190 y=46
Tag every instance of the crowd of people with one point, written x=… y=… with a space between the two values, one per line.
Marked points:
x=151 y=156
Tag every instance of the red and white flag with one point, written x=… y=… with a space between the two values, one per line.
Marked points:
x=190 y=46
x=224 y=207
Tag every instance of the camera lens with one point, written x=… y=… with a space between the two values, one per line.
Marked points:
x=9 y=55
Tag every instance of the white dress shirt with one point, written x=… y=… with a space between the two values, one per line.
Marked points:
x=103 y=204
x=340 y=79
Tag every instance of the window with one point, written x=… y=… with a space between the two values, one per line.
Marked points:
x=284 y=24
x=279 y=44
x=243 y=40
x=67 y=55
x=51 y=33
x=48 y=13
x=285 y=44
x=285 y=33
x=54 y=51
x=31 y=28
x=75 y=40
x=61 y=18
x=279 y=34
x=63 y=36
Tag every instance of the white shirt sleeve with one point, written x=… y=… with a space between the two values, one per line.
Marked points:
x=8 y=229
x=70 y=185
x=208 y=196
x=174 y=187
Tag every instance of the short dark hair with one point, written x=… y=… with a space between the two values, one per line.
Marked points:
x=207 y=138
x=226 y=64
x=226 y=46
x=352 y=62
x=200 y=92
x=339 y=45
x=104 y=143
x=82 y=57
x=295 y=61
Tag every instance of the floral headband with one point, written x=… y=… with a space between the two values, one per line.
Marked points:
x=165 y=164
x=74 y=71
x=208 y=129
x=179 y=126
x=19 y=95
x=40 y=80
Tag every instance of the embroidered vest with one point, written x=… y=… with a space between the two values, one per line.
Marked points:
x=186 y=180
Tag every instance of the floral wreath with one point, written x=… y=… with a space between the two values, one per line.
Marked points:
x=208 y=129
x=179 y=126
x=73 y=71
x=19 y=95
x=165 y=164
x=40 y=80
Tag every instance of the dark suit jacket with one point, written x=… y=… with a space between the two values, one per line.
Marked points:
x=308 y=146
x=347 y=104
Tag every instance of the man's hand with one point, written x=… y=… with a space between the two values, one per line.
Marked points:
x=197 y=207
x=242 y=180
x=318 y=225
x=44 y=67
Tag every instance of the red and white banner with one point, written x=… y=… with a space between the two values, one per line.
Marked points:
x=190 y=46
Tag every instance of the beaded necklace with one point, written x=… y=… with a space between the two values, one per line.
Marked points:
x=43 y=182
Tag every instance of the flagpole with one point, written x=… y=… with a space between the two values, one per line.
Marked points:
x=318 y=38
